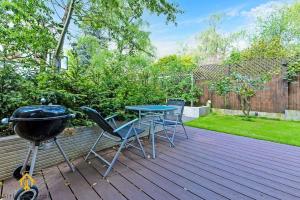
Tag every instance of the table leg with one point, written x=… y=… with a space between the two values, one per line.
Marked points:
x=153 y=139
x=140 y=118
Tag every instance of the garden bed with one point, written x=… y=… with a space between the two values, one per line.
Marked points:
x=13 y=149
x=287 y=132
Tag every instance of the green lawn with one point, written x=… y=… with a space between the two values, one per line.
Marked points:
x=287 y=132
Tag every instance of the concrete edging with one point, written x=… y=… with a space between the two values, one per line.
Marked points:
x=287 y=115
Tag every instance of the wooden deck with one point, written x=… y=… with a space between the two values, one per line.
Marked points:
x=207 y=166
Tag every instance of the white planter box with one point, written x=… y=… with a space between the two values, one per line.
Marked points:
x=196 y=112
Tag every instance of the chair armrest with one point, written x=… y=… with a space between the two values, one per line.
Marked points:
x=125 y=125
x=111 y=117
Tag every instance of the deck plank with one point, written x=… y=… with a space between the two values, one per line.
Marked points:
x=79 y=186
x=43 y=190
x=129 y=190
x=143 y=184
x=206 y=166
x=232 y=163
x=185 y=183
x=277 y=164
x=101 y=186
x=160 y=181
x=223 y=186
x=231 y=171
x=1 y=188
x=219 y=154
x=57 y=185
x=288 y=150
x=11 y=186
x=261 y=152
x=250 y=186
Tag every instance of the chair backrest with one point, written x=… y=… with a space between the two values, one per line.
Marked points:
x=99 y=120
x=178 y=103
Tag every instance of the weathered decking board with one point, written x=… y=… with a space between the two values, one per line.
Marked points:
x=208 y=166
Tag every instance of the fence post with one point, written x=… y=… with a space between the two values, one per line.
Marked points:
x=192 y=88
x=284 y=65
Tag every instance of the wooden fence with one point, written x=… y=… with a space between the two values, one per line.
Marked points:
x=277 y=95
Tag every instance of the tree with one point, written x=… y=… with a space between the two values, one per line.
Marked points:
x=212 y=45
x=272 y=48
x=245 y=87
x=30 y=30
x=26 y=31
x=222 y=87
x=175 y=77
x=119 y=23
x=277 y=35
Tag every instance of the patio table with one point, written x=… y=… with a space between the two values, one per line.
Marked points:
x=151 y=109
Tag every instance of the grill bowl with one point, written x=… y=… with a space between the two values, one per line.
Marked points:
x=40 y=123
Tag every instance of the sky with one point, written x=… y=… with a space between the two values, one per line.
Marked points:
x=238 y=15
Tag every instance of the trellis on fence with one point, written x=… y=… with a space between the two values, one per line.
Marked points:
x=277 y=96
x=252 y=68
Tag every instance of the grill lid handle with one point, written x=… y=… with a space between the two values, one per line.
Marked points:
x=72 y=116
x=5 y=121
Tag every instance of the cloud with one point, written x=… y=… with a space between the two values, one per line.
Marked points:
x=248 y=17
x=198 y=20
x=164 y=48
x=264 y=10
x=230 y=12
x=234 y=11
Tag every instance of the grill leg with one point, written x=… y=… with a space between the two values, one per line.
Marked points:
x=64 y=155
x=34 y=155
x=26 y=161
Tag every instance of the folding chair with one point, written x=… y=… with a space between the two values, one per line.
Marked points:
x=173 y=118
x=120 y=135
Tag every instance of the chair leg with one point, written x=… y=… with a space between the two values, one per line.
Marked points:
x=149 y=133
x=173 y=136
x=166 y=133
x=115 y=158
x=138 y=140
x=187 y=137
x=95 y=144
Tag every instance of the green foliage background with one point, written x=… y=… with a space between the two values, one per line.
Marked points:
x=111 y=64
x=103 y=79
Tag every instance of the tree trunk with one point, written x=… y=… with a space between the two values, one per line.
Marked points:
x=66 y=22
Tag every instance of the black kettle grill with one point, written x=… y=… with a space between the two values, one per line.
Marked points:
x=38 y=124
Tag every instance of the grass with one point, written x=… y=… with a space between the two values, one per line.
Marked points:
x=286 y=132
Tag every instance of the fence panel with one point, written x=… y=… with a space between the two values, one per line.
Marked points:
x=294 y=95
x=277 y=95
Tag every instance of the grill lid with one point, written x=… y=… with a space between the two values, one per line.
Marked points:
x=40 y=112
